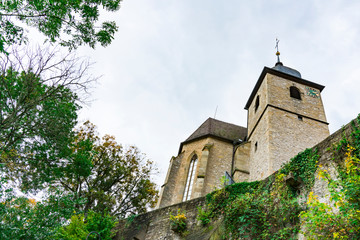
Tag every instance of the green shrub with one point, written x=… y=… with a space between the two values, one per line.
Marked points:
x=178 y=222
x=80 y=227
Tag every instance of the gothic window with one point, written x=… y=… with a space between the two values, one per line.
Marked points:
x=295 y=93
x=257 y=103
x=190 y=178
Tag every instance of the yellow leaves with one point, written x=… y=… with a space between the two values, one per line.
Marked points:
x=312 y=198
x=32 y=201
x=180 y=217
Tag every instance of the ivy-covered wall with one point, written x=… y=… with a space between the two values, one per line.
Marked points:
x=314 y=196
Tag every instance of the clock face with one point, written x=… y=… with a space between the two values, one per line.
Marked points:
x=312 y=92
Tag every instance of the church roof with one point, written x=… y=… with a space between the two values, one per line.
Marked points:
x=219 y=129
x=281 y=68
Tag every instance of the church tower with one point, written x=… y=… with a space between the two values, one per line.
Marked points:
x=285 y=116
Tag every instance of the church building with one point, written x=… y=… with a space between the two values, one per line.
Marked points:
x=285 y=116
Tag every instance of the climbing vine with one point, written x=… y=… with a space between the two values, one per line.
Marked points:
x=303 y=167
x=263 y=210
x=338 y=218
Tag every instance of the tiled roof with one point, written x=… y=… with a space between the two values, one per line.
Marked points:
x=220 y=129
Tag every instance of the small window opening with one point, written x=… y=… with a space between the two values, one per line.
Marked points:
x=257 y=102
x=256 y=145
x=295 y=93
x=300 y=118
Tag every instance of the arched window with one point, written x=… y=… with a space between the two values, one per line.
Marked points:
x=295 y=93
x=190 y=178
x=257 y=102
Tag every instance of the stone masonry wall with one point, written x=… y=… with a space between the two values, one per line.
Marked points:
x=219 y=157
x=279 y=95
x=288 y=136
x=254 y=115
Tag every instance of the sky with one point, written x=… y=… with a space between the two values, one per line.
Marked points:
x=173 y=64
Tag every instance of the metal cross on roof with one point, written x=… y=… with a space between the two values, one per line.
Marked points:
x=277 y=50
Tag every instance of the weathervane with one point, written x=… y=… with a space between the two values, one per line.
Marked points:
x=277 y=50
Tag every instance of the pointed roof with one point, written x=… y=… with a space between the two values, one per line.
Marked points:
x=218 y=129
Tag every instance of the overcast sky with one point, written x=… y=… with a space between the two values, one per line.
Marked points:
x=172 y=63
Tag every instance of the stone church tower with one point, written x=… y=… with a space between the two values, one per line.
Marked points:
x=285 y=116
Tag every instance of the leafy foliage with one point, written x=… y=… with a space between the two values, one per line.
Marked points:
x=72 y=23
x=39 y=99
x=340 y=217
x=35 y=127
x=218 y=200
x=266 y=213
x=262 y=210
x=178 y=222
x=90 y=227
x=303 y=167
x=111 y=177
x=25 y=218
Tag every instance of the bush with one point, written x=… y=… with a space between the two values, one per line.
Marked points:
x=80 y=227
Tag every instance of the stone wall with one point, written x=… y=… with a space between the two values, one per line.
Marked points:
x=214 y=158
x=156 y=224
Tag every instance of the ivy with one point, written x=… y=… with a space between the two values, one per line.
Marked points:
x=263 y=214
x=220 y=199
x=303 y=167
x=340 y=217
x=266 y=209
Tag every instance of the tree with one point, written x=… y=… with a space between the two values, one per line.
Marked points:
x=94 y=226
x=39 y=96
x=109 y=176
x=25 y=218
x=76 y=20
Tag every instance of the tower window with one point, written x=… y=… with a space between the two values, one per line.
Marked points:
x=300 y=118
x=190 y=178
x=257 y=102
x=256 y=144
x=295 y=93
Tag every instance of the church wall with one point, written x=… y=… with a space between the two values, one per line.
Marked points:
x=253 y=115
x=288 y=135
x=279 y=96
x=188 y=150
x=220 y=158
x=242 y=161
x=167 y=189
x=259 y=152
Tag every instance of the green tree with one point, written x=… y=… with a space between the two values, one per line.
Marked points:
x=25 y=218
x=71 y=23
x=38 y=111
x=91 y=227
x=111 y=177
